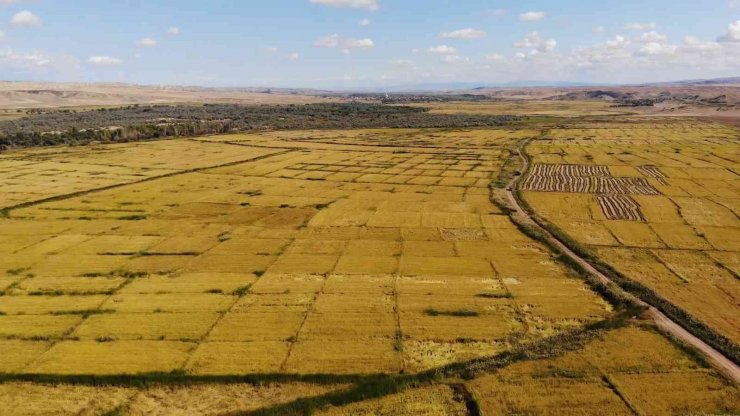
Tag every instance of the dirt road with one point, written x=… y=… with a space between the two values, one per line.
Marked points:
x=665 y=324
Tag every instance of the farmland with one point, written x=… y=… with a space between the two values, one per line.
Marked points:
x=363 y=271
x=658 y=204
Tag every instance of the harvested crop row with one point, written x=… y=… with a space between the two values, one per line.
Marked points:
x=570 y=170
x=620 y=207
x=589 y=185
x=653 y=172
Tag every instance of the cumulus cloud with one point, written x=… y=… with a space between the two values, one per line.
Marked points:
x=531 y=16
x=617 y=42
x=370 y=5
x=25 y=18
x=598 y=29
x=733 y=33
x=8 y=57
x=640 y=26
x=468 y=33
x=442 y=50
x=536 y=43
x=656 y=48
x=147 y=43
x=364 y=22
x=652 y=37
x=173 y=31
x=654 y=52
x=104 y=60
x=337 y=41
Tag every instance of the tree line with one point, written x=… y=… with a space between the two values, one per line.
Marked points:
x=136 y=123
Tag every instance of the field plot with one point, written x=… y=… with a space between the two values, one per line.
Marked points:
x=367 y=259
x=630 y=371
x=315 y=255
x=37 y=174
x=671 y=223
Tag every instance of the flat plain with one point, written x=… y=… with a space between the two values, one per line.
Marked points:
x=364 y=272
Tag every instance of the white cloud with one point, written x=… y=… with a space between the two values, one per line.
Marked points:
x=2 y=35
x=364 y=22
x=618 y=42
x=57 y=67
x=442 y=50
x=370 y=5
x=336 y=41
x=33 y=59
x=537 y=43
x=598 y=29
x=294 y=56
x=531 y=16
x=640 y=26
x=25 y=18
x=104 y=60
x=467 y=33
x=271 y=49
x=733 y=4
x=454 y=59
x=652 y=37
x=733 y=33
x=655 y=48
x=147 y=42
x=173 y=31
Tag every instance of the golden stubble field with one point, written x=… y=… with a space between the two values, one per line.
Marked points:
x=333 y=254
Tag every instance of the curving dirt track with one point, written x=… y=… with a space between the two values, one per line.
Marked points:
x=664 y=323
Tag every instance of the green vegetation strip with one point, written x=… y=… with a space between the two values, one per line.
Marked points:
x=138 y=123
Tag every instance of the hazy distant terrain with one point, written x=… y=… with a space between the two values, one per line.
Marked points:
x=715 y=98
x=15 y=95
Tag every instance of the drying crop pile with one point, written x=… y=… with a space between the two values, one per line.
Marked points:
x=680 y=239
x=355 y=269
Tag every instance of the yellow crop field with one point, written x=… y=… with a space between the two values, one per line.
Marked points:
x=630 y=371
x=367 y=271
x=671 y=221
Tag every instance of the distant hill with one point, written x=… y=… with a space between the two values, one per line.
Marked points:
x=455 y=86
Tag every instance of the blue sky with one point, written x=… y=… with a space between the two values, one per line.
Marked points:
x=367 y=43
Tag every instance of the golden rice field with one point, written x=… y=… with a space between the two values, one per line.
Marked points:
x=678 y=234
x=310 y=261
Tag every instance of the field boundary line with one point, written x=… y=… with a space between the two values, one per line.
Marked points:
x=554 y=346
x=6 y=210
